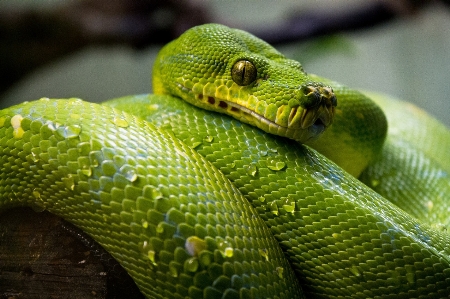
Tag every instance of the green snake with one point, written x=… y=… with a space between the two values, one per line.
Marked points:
x=198 y=204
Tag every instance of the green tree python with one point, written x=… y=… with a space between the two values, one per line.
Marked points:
x=198 y=204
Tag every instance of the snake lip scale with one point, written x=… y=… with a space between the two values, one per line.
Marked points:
x=303 y=124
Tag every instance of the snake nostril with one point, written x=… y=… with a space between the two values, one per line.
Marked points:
x=308 y=89
x=328 y=96
x=312 y=96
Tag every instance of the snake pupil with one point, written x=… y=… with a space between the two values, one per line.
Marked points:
x=243 y=72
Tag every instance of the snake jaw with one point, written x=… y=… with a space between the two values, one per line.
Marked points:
x=301 y=121
x=249 y=116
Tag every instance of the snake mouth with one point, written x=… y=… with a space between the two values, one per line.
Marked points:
x=302 y=124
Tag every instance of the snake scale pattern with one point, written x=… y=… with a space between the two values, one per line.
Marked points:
x=200 y=204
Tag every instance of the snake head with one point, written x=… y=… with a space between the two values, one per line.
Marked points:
x=233 y=72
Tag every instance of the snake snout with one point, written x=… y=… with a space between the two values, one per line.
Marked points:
x=305 y=117
x=319 y=107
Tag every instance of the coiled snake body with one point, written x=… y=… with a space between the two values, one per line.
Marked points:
x=195 y=204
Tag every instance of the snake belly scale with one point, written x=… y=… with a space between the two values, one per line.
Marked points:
x=195 y=204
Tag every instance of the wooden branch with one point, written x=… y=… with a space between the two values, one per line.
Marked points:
x=42 y=256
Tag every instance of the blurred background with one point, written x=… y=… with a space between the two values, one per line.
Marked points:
x=102 y=49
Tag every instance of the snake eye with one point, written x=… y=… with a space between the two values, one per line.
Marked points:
x=243 y=72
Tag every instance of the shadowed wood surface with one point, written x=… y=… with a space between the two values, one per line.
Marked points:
x=42 y=256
